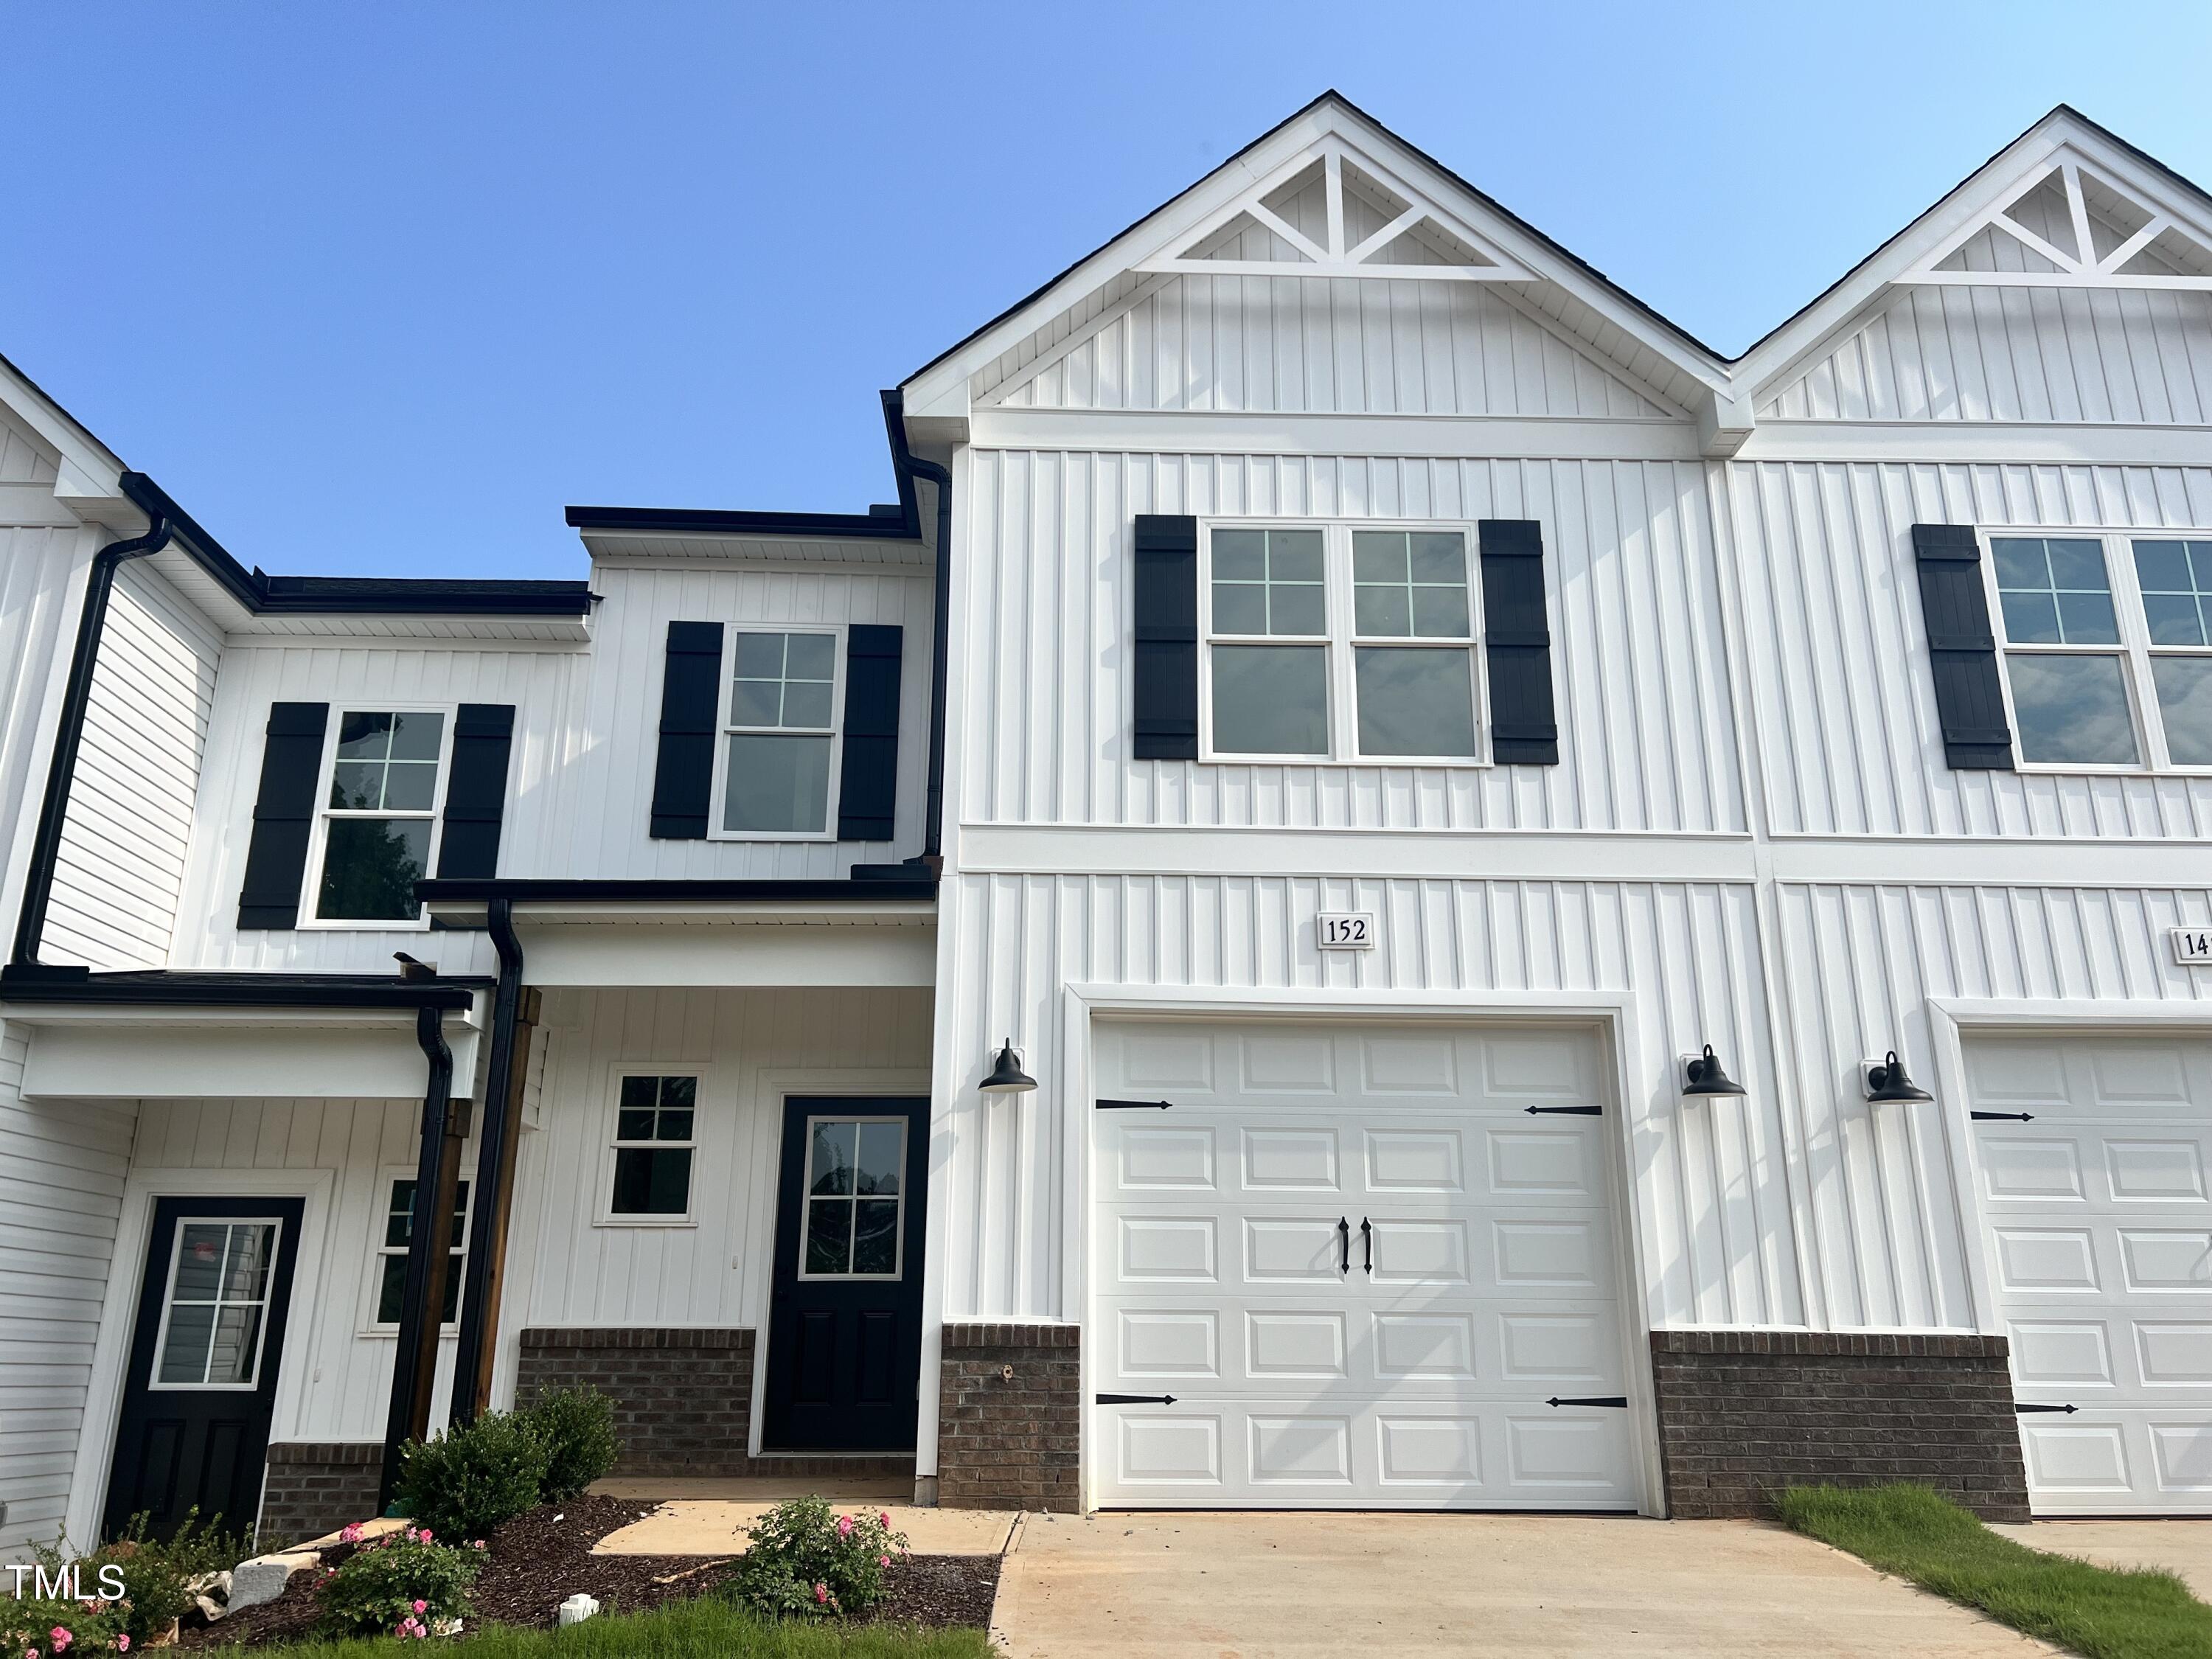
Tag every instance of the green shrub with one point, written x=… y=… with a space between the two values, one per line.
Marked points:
x=467 y=1480
x=52 y=1626
x=576 y=1426
x=804 y=1559
x=405 y=1585
x=137 y=1586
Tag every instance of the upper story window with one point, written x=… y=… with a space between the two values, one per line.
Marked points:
x=779 y=733
x=1341 y=643
x=2108 y=650
x=378 y=826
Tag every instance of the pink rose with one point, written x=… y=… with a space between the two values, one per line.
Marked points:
x=422 y=1607
x=350 y=1533
x=426 y=1534
x=478 y=1545
x=844 y=1526
x=821 y=1594
x=123 y=1643
x=30 y=1653
x=60 y=1638
x=884 y=1515
x=883 y=1560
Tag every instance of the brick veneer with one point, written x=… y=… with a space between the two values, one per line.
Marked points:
x=316 y=1487
x=683 y=1396
x=1010 y=1442
x=1744 y=1412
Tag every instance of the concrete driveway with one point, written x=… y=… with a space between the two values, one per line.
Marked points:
x=2181 y=1547
x=1252 y=1586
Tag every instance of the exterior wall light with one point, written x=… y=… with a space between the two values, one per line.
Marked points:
x=1702 y=1075
x=1884 y=1080
x=1007 y=1077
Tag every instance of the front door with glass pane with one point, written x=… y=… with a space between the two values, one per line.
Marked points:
x=201 y=1384
x=844 y=1341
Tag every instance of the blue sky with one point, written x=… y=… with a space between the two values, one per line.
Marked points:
x=379 y=288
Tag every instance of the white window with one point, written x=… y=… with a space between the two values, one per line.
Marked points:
x=2107 y=644
x=1344 y=642
x=395 y=1227
x=779 y=733
x=654 y=1142
x=216 y=1309
x=378 y=827
x=855 y=1198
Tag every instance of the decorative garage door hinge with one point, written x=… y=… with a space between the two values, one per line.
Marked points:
x=2022 y=1406
x=1617 y=1401
x=2009 y=1117
x=1134 y=1105
x=1136 y=1400
x=1565 y=1111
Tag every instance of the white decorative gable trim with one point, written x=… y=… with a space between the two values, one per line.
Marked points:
x=2071 y=225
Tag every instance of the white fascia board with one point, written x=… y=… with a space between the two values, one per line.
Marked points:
x=178 y=1061
x=90 y=474
x=1475 y=437
x=2004 y=443
x=777 y=955
x=941 y=389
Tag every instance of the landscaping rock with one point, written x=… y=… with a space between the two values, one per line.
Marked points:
x=264 y=1578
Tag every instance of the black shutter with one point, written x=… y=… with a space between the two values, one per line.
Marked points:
x=476 y=791
x=1969 y=697
x=867 y=788
x=283 y=815
x=691 y=704
x=1517 y=642
x=1165 y=667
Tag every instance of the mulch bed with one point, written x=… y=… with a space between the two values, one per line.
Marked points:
x=539 y=1559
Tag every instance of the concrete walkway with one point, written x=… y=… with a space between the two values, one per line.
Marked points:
x=709 y=1517
x=1275 y=1586
x=2181 y=1547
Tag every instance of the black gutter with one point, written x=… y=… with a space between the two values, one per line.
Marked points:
x=68 y=737
x=676 y=520
x=564 y=890
x=430 y=1224
x=265 y=595
x=161 y=988
x=496 y=1148
x=941 y=640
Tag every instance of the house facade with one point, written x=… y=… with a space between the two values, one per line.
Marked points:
x=1388 y=884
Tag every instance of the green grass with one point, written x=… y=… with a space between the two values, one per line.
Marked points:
x=2103 y=1612
x=706 y=1628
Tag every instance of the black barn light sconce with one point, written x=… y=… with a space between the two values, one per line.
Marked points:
x=1007 y=1077
x=1884 y=1080
x=1702 y=1075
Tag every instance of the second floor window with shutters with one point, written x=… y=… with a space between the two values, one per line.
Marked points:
x=378 y=826
x=1341 y=643
x=779 y=733
x=2108 y=641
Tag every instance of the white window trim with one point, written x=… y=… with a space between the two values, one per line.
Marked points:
x=605 y=1214
x=379 y=1252
x=806 y=1197
x=154 y=1383
x=2134 y=649
x=725 y=729
x=319 y=837
x=1341 y=644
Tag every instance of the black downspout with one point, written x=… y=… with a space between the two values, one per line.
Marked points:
x=77 y=698
x=494 y=1171
x=429 y=1248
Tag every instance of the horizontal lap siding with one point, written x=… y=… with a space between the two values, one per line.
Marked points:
x=1645 y=734
x=1949 y=353
x=125 y=841
x=1839 y=652
x=714 y=1272
x=1713 y=1194
x=1342 y=346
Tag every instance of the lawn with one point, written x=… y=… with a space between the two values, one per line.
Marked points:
x=2101 y=1612
x=706 y=1628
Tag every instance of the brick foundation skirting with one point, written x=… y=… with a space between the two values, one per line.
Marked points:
x=316 y=1487
x=1009 y=1418
x=1742 y=1413
x=683 y=1395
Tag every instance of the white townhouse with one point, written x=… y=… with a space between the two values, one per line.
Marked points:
x=1388 y=884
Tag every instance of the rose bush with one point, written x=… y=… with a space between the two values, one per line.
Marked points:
x=404 y=1584
x=806 y=1560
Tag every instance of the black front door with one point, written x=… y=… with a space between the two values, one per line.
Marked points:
x=202 y=1384
x=844 y=1333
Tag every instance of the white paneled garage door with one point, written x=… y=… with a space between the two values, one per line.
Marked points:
x=1359 y=1266
x=2101 y=1239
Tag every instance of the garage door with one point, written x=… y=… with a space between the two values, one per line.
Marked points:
x=2093 y=1156
x=1349 y=1267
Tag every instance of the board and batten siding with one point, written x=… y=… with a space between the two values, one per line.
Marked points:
x=1044 y=695
x=573 y=1268
x=60 y=1207
x=1282 y=344
x=1843 y=698
x=1712 y=1187
x=126 y=840
x=1956 y=353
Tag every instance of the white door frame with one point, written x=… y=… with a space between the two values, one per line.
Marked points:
x=126 y=1272
x=1611 y=1013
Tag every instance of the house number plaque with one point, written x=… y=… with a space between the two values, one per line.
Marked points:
x=1349 y=930
x=2192 y=946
